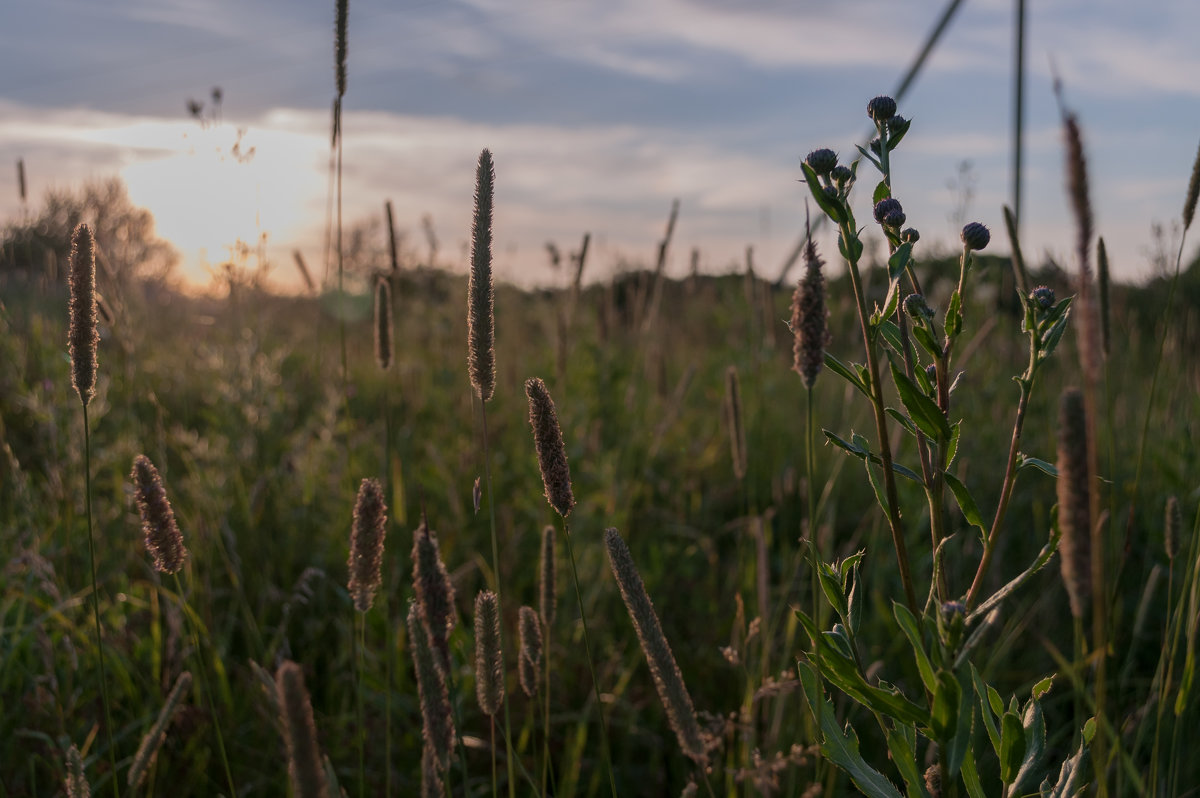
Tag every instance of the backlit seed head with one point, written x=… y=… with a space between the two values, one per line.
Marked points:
x=489 y=658
x=1074 y=500
x=822 y=161
x=300 y=732
x=437 y=722
x=366 y=544
x=434 y=591
x=83 y=335
x=975 y=236
x=810 y=319
x=1174 y=522
x=551 y=452
x=383 y=324
x=886 y=206
x=481 y=317
x=164 y=541
x=530 y=633
x=882 y=108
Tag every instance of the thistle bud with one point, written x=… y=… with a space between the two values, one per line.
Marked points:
x=886 y=206
x=841 y=174
x=881 y=109
x=975 y=236
x=909 y=235
x=1042 y=297
x=894 y=219
x=917 y=308
x=822 y=161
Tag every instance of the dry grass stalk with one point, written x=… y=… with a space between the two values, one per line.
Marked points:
x=367 y=534
x=810 y=319
x=1074 y=500
x=1171 y=527
x=154 y=738
x=663 y=667
x=76 y=783
x=1102 y=280
x=305 y=274
x=164 y=541
x=733 y=422
x=340 y=46
x=391 y=227
x=383 y=324
x=481 y=319
x=21 y=179
x=83 y=335
x=551 y=452
x=434 y=591
x=437 y=725
x=529 y=631
x=300 y=733
x=547 y=578
x=489 y=656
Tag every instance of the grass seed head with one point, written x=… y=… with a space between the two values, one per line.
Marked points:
x=1171 y=526
x=383 y=324
x=431 y=775
x=434 y=591
x=154 y=738
x=551 y=452
x=76 y=783
x=300 y=733
x=529 y=631
x=1193 y=193
x=339 y=46
x=1074 y=500
x=83 y=335
x=367 y=534
x=481 y=319
x=733 y=421
x=437 y=726
x=489 y=656
x=164 y=541
x=663 y=667
x=810 y=319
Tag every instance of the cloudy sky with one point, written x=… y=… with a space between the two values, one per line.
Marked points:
x=598 y=114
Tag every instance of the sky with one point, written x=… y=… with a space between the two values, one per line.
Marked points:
x=598 y=116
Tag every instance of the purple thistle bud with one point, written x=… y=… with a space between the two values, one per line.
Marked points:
x=886 y=206
x=1043 y=297
x=841 y=174
x=910 y=235
x=894 y=219
x=882 y=108
x=822 y=161
x=916 y=307
x=975 y=236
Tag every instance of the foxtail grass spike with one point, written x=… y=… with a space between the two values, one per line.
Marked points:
x=551 y=452
x=665 y=671
x=1193 y=193
x=431 y=776
x=547 y=578
x=154 y=738
x=437 y=724
x=164 y=541
x=529 y=632
x=1074 y=500
x=434 y=591
x=83 y=335
x=300 y=733
x=1077 y=186
x=1171 y=527
x=489 y=657
x=21 y=179
x=810 y=319
x=733 y=421
x=1102 y=280
x=481 y=320
x=340 y=46
x=305 y=274
x=383 y=324
x=391 y=225
x=76 y=783
x=366 y=544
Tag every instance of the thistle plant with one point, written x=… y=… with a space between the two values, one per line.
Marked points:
x=918 y=345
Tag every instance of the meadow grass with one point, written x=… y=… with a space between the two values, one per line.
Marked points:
x=246 y=421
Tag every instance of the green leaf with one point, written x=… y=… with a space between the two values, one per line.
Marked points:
x=908 y=625
x=882 y=192
x=926 y=340
x=858 y=449
x=841 y=671
x=901 y=745
x=842 y=370
x=1041 y=688
x=855 y=249
x=970 y=776
x=1071 y=776
x=1050 y=340
x=904 y=420
x=989 y=722
x=891 y=333
x=1041 y=465
x=956 y=751
x=923 y=410
x=831 y=208
x=841 y=746
x=966 y=502
x=994 y=600
x=869 y=157
x=952 y=449
x=833 y=590
x=943 y=719
x=1012 y=747
x=1035 y=745
x=954 y=316
x=894 y=136
x=899 y=260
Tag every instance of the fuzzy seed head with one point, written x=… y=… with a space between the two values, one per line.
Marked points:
x=383 y=324
x=164 y=541
x=83 y=335
x=431 y=776
x=547 y=578
x=339 y=46
x=1074 y=497
x=481 y=319
x=529 y=630
x=733 y=422
x=822 y=161
x=886 y=206
x=300 y=733
x=551 y=452
x=1171 y=527
x=810 y=319
x=437 y=725
x=434 y=591
x=152 y=742
x=1193 y=193
x=76 y=784
x=489 y=658
x=663 y=668
x=975 y=236
x=1077 y=187
x=366 y=544
x=881 y=109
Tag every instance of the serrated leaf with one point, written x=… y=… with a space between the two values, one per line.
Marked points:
x=905 y=759
x=943 y=718
x=1089 y=730
x=859 y=450
x=1012 y=746
x=903 y=420
x=891 y=333
x=952 y=449
x=908 y=625
x=926 y=340
x=987 y=713
x=1052 y=337
x=966 y=502
x=923 y=410
x=1035 y=745
x=852 y=251
x=841 y=746
x=831 y=208
x=954 y=316
x=899 y=260
x=882 y=192
x=844 y=371
x=1042 y=688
